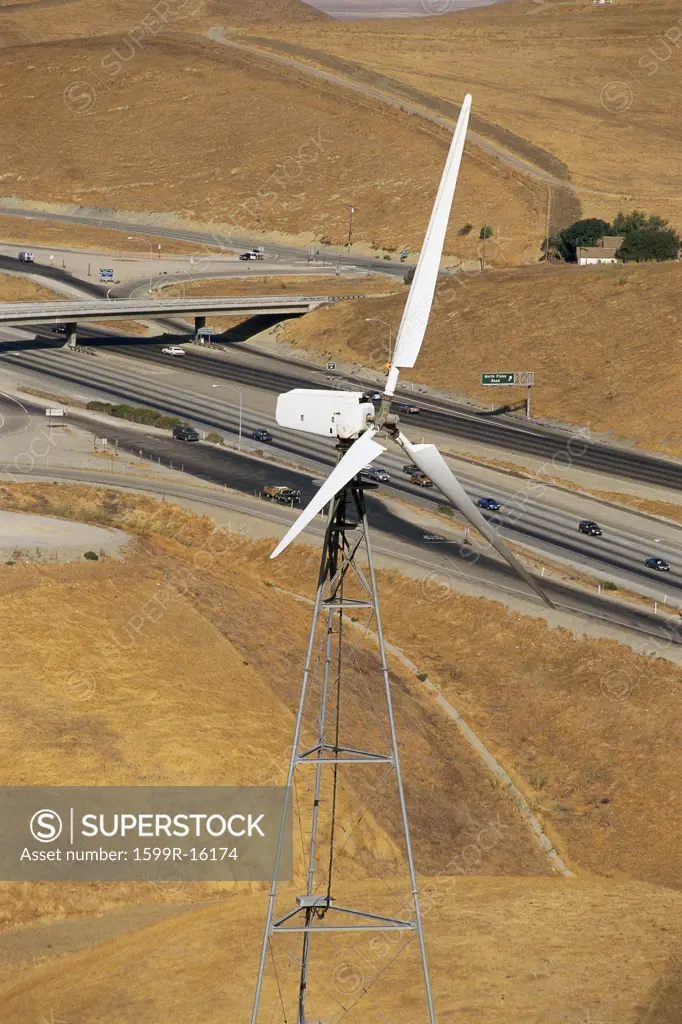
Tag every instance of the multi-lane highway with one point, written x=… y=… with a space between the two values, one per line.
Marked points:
x=500 y=430
x=547 y=524
x=444 y=563
x=249 y=367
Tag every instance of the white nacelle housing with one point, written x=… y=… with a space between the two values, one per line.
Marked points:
x=327 y=413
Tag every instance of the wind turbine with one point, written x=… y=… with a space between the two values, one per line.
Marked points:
x=355 y=423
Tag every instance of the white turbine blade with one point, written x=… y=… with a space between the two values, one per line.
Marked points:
x=431 y=462
x=418 y=307
x=361 y=453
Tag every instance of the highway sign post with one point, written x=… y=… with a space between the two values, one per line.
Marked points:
x=106 y=274
x=204 y=332
x=331 y=366
x=513 y=379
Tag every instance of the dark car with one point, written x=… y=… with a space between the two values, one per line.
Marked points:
x=409 y=469
x=657 y=563
x=183 y=432
x=421 y=479
x=589 y=527
x=262 y=435
x=59 y=329
x=489 y=503
x=412 y=409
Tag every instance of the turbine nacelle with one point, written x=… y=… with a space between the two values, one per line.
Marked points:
x=341 y=414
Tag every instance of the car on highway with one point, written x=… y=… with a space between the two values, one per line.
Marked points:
x=284 y=495
x=377 y=473
x=369 y=396
x=589 y=527
x=251 y=256
x=659 y=564
x=421 y=479
x=261 y=435
x=183 y=432
x=409 y=468
x=489 y=503
x=59 y=329
x=26 y=257
x=173 y=350
x=411 y=409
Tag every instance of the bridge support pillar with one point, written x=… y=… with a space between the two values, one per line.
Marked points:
x=199 y=322
x=71 y=339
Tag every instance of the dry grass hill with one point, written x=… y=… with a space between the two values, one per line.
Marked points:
x=604 y=342
x=190 y=697
x=285 y=158
x=39 y=21
x=592 y=88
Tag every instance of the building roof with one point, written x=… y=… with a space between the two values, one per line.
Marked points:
x=611 y=241
x=596 y=252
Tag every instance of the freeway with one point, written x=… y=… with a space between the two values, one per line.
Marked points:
x=249 y=366
x=459 y=421
x=443 y=563
x=548 y=526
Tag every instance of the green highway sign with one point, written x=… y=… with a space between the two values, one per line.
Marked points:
x=488 y=379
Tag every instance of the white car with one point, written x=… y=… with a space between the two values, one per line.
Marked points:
x=173 y=350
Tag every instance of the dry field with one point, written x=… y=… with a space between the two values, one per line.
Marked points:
x=14 y=288
x=305 y=284
x=522 y=951
x=30 y=231
x=592 y=89
x=604 y=342
x=188 y=698
x=285 y=160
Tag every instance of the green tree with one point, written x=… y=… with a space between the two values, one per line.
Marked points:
x=649 y=244
x=635 y=221
x=582 y=233
x=486 y=231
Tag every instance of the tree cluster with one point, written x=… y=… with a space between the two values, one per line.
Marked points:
x=646 y=237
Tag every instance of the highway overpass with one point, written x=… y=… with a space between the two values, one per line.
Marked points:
x=16 y=314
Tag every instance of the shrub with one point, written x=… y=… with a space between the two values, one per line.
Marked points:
x=422 y=677
x=91 y=556
x=466 y=229
x=139 y=414
x=215 y=438
x=608 y=585
x=486 y=231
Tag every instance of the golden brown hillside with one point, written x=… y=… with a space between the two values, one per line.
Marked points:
x=604 y=342
x=592 y=87
x=136 y=26
x=192 y=695
x=282 y=157
x=517 y=950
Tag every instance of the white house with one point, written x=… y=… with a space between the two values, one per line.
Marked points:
x=603 y=252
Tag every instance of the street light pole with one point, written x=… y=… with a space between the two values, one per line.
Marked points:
x=350 y=224
x=241 y=396
x=131 y=238
x=375 y=319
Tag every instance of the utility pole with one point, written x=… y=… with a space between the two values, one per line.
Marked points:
x=549 y=206
x=350 y=224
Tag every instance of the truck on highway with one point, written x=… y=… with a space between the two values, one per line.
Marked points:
x=285 y=495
